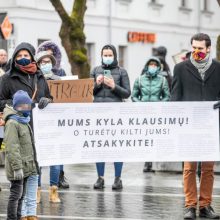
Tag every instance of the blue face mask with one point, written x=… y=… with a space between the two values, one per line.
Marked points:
x=107 y=60
x=23 y=62
x=26 y=113
x=46 y=68
x=152 y=70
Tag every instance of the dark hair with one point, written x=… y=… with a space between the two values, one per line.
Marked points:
x=202 y=37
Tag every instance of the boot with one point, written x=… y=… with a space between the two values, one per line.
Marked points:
x=53 y=194
x=208 y=212
x=38 y=195
x=190 y=213
x=24 y=218
x=148 y=167
x=117 y=184
x=99 y=183
x=32 y=218
x=63 y=181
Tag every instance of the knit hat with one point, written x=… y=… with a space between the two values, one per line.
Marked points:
x=42 y=54
x=21 y=97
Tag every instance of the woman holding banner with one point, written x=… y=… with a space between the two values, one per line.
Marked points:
x=112 y=84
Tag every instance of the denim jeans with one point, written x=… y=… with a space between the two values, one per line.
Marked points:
x=17 y=193
x=29 y=205
x=101 y=168
x=54 y=176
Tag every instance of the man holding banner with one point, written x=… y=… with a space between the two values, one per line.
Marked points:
x=198 y=79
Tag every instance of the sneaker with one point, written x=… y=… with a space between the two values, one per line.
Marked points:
x=63 y=181
x=99 y=183
x=117 y=184
x=190 y=213
x=208 y=212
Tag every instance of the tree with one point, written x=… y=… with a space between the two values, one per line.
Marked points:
x=72 y=36
x=218 y=48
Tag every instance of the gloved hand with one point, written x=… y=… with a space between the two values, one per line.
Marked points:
x=216 y=105
x=44 y=102
x=18 y=174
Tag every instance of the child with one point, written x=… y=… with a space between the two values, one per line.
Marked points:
x=20 y=161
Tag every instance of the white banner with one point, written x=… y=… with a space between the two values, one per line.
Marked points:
x=128 y=132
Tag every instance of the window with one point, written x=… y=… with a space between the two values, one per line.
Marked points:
x=122 y=55
x=184 y=3
x=40 y=41
x=90 y=53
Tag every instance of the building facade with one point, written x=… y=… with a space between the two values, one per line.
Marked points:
x=135 y=27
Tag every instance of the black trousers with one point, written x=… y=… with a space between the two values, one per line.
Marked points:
x=17 y=193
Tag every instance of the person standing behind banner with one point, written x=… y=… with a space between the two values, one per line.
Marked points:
x=150 y=87
x=4 y=66
x=54 y=50
x=198 y=79
x=45 y=62
x=25 y=75
x=112 y=84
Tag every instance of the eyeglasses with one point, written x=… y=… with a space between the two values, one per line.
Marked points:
x=43 y=62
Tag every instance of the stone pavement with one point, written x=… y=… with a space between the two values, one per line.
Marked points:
x=144 y=196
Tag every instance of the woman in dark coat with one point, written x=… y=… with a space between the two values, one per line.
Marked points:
x=24 y=75
x=111 y=85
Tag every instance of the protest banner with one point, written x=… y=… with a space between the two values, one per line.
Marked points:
x=65 y=91
x=129 y=132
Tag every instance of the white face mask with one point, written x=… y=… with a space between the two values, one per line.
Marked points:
x=107 y=60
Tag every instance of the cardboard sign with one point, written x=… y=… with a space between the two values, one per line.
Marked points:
x=178 y=58
x=67 y=91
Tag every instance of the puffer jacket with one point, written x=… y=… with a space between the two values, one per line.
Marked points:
x=150 y=89
x=103 y=93
x=19 y=146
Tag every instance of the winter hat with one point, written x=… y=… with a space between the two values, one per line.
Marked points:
x=21 y=97
x=42 y=54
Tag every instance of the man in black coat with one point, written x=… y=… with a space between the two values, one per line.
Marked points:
x=198 y=79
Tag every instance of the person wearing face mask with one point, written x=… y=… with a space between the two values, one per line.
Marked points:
x=54 y=50
x=46 y=61
x=150 y=86
x=24 y=74
x=111 y=85
x=198 y=79
x=20 y=162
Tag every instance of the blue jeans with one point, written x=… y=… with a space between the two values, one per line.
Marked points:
x=29 y=205
x=54 y=176
x=101 y=168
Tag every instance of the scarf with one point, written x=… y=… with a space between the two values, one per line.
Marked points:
x=203 y=65
x=29 y=69
x=20 y=119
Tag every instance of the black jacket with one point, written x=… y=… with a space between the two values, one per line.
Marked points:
x=188 y=85
x=15 y=80
x=103 y=93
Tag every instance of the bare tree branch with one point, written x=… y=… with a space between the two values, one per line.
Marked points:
x=60 y=10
